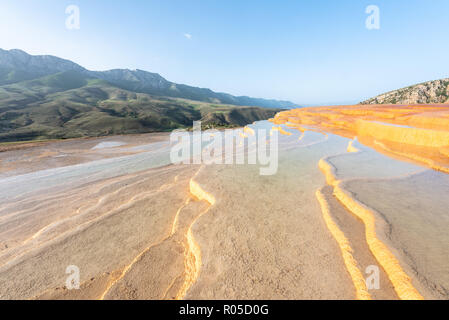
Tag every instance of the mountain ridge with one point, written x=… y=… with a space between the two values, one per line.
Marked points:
x=17 y=65
x=75 y=103
x=429 y=92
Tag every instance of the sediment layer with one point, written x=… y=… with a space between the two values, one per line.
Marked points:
x=419 y=133
x=220 y=232
x=400 y=280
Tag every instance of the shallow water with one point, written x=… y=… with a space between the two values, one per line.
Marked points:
x=108 y=144
x=416 y=210
x=275 y=218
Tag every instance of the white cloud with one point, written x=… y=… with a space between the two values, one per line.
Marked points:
x=188 y=35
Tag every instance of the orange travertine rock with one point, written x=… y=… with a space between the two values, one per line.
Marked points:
x=417 y=132
x=346 y=250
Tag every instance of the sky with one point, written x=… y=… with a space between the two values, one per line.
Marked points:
x=311 y=52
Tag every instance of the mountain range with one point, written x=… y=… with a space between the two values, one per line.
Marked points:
x=46 y=97
x=16 y=66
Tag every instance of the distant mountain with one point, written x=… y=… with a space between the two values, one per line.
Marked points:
x=17 y=65
x=436 y=91
x=38 y=103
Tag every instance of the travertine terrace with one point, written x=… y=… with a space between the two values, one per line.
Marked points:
x=139 y=227
x=416 y=132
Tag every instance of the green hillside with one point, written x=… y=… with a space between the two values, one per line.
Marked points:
x=73 y=104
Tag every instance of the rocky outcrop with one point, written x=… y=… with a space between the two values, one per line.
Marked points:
x=436 y=91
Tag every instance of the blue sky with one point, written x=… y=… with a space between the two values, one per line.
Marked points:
x=310 y=52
